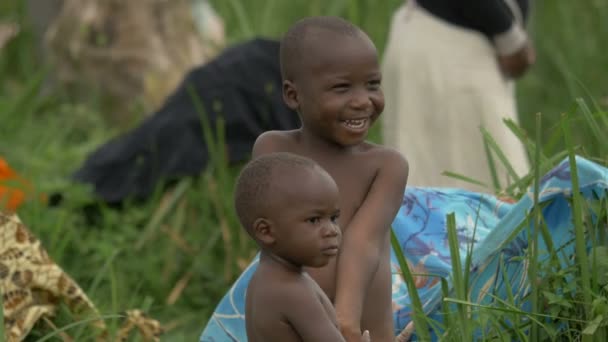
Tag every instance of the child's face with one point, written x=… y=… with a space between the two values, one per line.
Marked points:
x=338 y=94
x=305 y=223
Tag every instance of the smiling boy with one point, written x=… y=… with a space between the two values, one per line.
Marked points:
x=332 y=78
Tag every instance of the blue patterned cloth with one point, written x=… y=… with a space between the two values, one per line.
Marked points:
x=483 y=220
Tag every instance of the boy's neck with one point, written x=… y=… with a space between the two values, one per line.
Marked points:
x=277 y=261
x=316 y=143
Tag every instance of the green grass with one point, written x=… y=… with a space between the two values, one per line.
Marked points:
x=569 y=296
x=177 y=254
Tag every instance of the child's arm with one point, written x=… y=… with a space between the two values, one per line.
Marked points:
x=306 y=314
x=364 y=238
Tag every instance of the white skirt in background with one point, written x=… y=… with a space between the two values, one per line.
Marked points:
x=441 y=83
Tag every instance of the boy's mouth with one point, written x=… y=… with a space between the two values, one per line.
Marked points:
x=331 y=251
x=356 y=124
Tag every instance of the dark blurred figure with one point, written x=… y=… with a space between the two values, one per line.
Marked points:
x=448 y=69
x=242 y=86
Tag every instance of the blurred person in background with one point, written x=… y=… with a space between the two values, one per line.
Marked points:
x=449 y=68
x=130 y=55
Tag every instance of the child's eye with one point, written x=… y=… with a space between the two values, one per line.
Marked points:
x=340 y=87
x=374 y=85
x=314 y=220
x=335 y=218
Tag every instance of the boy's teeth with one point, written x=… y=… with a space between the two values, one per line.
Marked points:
x=355 y=123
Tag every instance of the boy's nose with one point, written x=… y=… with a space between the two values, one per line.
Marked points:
x=361 y=100
x=331 y=230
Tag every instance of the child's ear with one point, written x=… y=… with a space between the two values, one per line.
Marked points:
x=263 y=232
x=290 y=95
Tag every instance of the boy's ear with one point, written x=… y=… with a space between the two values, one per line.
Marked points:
x=263 y=232
x=290 y=95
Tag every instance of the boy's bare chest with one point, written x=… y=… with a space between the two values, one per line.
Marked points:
x=354 y=181
x=354 y=175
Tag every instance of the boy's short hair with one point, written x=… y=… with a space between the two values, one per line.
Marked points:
x=254 y=190
x=291 y=43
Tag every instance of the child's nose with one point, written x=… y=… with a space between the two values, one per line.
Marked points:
x=331 y=229
x=361 y=100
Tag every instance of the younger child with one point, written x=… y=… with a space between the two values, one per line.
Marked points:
x=295 y=224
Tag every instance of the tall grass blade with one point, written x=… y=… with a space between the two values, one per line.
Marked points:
x=524 y=138
x=463 y=178
x=589 y=119
x=418 y=315
x=77 y=324
x=469 y=257
x=445 y=307
x=460 y=287
x=162 y=212
x=101 y=272
x=603 y=234
x=354 y=12
x=509 y=289
x=24 y=104
x=204 y=121
x=336 y=7
x=267 y=13
x=500 y=155
x=533 y=233
x=513 y=310
x=550 y=163
x=593 y=126
x=491 y=166
x=579 y=228
x=243 y=19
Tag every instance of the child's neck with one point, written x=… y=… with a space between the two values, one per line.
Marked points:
x=277 y=261
x=313 y=142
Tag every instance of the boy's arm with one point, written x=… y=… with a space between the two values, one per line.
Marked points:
x=310 y=320
x=364 y=239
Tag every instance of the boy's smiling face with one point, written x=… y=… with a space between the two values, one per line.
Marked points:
x=337 y=87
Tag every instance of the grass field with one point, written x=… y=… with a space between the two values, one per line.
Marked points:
x=175 y=256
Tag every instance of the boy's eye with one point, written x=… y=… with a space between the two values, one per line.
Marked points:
x=340 y=87
x=374 y=85
x=335 y=218
x=314 y=220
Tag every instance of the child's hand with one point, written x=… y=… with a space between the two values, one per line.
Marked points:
x=365 y=337
x=406 y=334
x=350 y=332
x=516 y=64
x=352 y=336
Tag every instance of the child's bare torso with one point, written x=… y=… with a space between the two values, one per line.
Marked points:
x=268 y=299
x=354 y=172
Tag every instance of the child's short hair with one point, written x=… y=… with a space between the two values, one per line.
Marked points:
x=254 y=186
x=291 y=44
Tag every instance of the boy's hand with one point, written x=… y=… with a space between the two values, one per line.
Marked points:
x=516 y=64
x=353 y=335
x=406 y=334
x=365 y=337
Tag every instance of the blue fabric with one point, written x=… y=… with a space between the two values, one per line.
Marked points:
x=492 y=225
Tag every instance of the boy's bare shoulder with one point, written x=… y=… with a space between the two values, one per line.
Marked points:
x=285 y=293
x=273 y=141
x=386 y=157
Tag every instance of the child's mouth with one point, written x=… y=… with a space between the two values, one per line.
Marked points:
x=355 y=124
x=331 y=251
